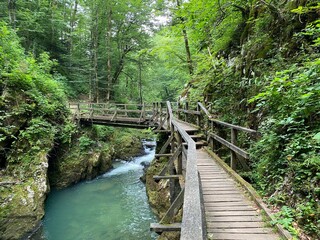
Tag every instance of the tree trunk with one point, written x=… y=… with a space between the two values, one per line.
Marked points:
x=72 y=24
x=95 y=45
x=140 y=80
x=109 y=67
x=12 y=12
x=186 y=43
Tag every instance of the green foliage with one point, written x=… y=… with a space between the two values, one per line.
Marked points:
x=69 y=129
x=292 y=102
x=85 y=143
x=37 y=138
x=285 y=217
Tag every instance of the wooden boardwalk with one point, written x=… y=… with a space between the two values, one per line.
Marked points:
x=214 y=205
x=229 y=213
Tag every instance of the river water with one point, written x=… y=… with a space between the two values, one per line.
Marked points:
x=113 y=206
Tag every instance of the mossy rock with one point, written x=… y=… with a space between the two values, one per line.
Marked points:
x=22 y=201
x=158 y=193
x=75 y=166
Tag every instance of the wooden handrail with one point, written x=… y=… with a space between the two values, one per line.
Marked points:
x=193 y=224
x=229 y=125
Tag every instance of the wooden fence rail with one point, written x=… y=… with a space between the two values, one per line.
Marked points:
x=211 y=126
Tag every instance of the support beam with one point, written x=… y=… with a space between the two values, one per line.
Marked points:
x=174 y=208
x=170 y=162
x=157 y=178
x=163 y=155
x=159 y=228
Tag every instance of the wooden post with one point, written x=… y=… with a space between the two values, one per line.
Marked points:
x=125 y=108
x=179 y=107
x=198 y=116
x=179 y=160
x=234 y=134
x=154 y=113
x=186 y=114
x=160 y=111
x=168 y=121
x=172 y=171
x=143 y=111
x=209 y=138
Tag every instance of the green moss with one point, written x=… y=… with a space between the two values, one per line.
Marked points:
x=158 y=193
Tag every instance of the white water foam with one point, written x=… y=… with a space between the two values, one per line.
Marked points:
x=135 y=164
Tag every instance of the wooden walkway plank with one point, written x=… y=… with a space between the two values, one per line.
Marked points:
x=243 y=236
x=229 y=213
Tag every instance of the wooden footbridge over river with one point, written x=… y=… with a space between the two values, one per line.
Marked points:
x=216 y=202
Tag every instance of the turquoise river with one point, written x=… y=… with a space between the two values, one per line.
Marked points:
x=113 y=206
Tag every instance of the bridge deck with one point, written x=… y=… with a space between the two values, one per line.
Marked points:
x=229 y=213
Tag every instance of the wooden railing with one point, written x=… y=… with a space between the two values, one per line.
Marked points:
x=183 y=149
x=215 y=133
x=141 y=111
x=185 y=187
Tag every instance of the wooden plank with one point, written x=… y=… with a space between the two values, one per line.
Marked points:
x=174 y=208
x=167 y=177
x=252 y=230
x=224 y=204
x=198 y=136
x=203 y=108
x=233 y=218
x=171 y=160
x=173 y=227
x=230 y=146
x=163 y=155
x=165 y=146
x=284 y=233
x=229 y=125
x=229 y=208
x=240 y=224
x=232 y=213
x=213 y=176
x=243 y=236
x=209 y=198
x=199 y=143
x=218 y=193
x=193 y=112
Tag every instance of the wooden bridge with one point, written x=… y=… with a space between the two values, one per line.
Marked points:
x=217 y=203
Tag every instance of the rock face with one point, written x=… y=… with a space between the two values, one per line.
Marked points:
x=24 y=183
x=22 y=200
x=75 y=166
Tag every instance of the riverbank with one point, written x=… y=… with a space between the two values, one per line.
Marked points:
x=118 y=206
x=25 y=184
x=159 y=193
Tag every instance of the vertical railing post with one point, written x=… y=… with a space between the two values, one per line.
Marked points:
x=154 y=111
x=168 y=121
x=234 y=135
x=198 y=115
x=179 y=162
x=209 y=138
x=143 y=111
x=125 y=108
x=179 y=109
x=186 y=114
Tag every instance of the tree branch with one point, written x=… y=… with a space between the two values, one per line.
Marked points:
x=275 y=11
